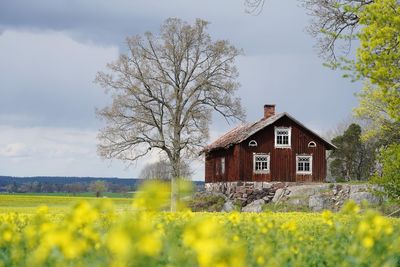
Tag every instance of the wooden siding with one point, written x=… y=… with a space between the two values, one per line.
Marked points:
x=213 y=166
x=239 y=157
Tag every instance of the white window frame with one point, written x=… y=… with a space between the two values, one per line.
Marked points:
x=297 y=164
x=253 y=143
x=312 y=144
x=289 y=129
x=222 y=165
x=264 y=171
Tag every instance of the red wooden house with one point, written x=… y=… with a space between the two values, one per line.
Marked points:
x=275 y=148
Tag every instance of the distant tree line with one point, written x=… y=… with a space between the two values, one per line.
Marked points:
x=71 y=185
x=73 y=188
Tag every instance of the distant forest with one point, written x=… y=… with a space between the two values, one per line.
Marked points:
x=50 y=184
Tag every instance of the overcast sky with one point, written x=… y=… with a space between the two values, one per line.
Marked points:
x=50 y=51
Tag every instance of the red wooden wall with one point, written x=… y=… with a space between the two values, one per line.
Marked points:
x=239 y=158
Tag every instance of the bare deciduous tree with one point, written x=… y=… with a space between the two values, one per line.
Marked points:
x=334 y=23
x=163 y=170
x=254 y=7
x=164 y=90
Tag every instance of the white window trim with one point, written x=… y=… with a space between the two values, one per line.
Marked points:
x=223 y=166
x=253 y=143
x=268 y=163
x=289 y=137
x=312 y=144
x=297 y=164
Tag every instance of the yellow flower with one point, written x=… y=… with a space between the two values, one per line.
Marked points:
x=260 y=260
x=42 y=210
x=291 y=226
x=150 y=244
x=368 y=242
x=363 y=227
x=294 y=249
x=72 y=250
x=7 y=235
x=234 y=217
x=119 y=243
x=327 y=217
x=389 y=229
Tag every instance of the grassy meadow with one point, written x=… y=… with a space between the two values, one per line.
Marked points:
x=86 y=231
x=29 y=203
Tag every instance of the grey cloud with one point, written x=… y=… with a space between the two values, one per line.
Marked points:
x=109 y=22
x=48 y=80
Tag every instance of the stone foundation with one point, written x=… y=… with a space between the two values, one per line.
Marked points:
x=316 y=196
x=247 y=192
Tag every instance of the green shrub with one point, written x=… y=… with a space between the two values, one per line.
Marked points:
x=389 y=179
x=206 y=202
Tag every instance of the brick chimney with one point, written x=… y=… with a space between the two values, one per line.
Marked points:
x=269 y=110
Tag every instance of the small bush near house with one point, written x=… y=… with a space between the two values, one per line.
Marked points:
x=206 y=202
x=390 y=176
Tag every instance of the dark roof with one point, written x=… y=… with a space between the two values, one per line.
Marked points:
x=244 y=131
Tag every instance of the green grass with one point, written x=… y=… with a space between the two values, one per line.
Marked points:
x=84 y=194
x=57 y=204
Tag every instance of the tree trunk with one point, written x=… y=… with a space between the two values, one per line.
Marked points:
x=174 y=193
x=174 y=184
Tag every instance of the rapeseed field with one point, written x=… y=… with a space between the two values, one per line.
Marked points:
x=98 y=233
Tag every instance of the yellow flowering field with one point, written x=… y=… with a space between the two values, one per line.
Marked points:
x=96 y=233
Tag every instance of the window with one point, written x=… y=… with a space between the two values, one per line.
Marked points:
x=304 y=164
x=312 y=144
x=220 y=166
x=253 y=143
x=282 y=137
x=261 y=163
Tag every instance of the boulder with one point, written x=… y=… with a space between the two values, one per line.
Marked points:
x=307 y=190
x=266 y=185
x=319 y=202
x=228 y=206
x=278 y=195
x=358 y=197
x=278 y=185
x=258 y=185
x=354 y=188
x=298 y=200
x=255 y=206
x=266 y=199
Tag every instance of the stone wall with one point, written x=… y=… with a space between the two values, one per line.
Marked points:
x=246 y=192
x=251 y=196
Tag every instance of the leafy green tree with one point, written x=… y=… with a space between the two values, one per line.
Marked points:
x=373 y=109
x=98 y=187
x=378 y=60
x=389 y=177
x=376 y=25
x=353 y=159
